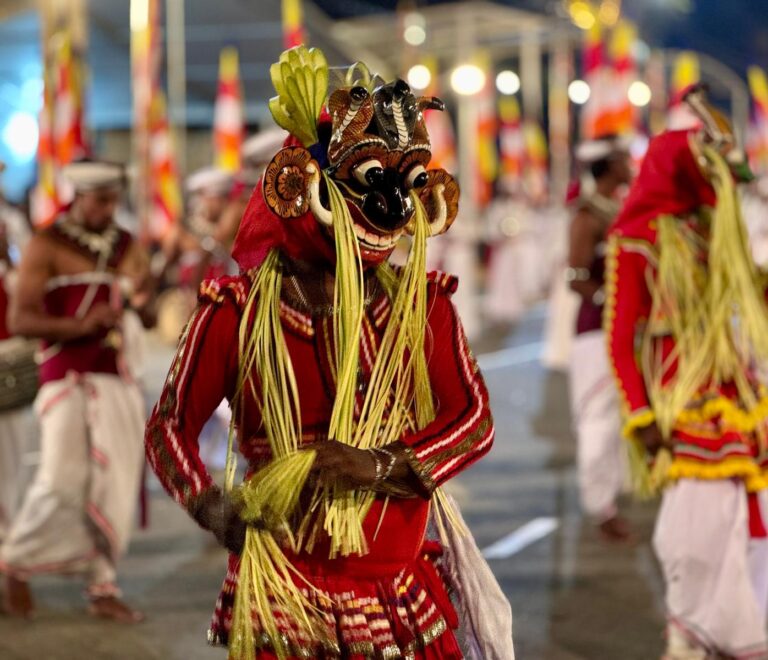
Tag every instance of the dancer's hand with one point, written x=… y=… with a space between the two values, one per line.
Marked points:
x=101 y=316
x=339 y=464
x=216 y=512
x=652 y=438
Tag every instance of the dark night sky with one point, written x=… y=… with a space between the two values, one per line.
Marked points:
x=734 y=31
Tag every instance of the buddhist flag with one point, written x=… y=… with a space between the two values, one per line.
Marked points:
x=685 y=72
x=145 y=73
x=758 y=86
x=623 y=113
x=228 y=114
x=596 y=116
x=45 y=199
x=441 y=134
x=61 y=134
x=511 y=145
x=293 y=23
x=486 y=156
x=67 y=105
x=536 y=177
x=165 y=190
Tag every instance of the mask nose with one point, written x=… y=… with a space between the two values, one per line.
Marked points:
x=385 y=206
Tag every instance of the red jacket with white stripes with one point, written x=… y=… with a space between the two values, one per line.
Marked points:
x=205 y=371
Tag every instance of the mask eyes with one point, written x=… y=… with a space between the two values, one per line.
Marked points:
x=417 y=177
x=369 y=172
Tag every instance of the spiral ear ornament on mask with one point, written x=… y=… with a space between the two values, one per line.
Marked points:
x=440 y=197
x=287 y=182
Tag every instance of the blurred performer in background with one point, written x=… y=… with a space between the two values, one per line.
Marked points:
x=15 y=227
x=203 y=253
x=18 y=371
x=687 y=320
x=192 y=250
x=562 y=302
x=508 y=289
x=755 y=208
x=79 y=511
x=256 y=152
x=594 y=400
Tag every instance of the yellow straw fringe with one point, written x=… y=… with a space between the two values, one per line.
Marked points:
x=700 y=302
x=399 y=383
x=266 y=581
x=732 y=417
x=735 y=467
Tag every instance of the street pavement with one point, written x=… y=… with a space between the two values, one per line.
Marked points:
x=573 y=596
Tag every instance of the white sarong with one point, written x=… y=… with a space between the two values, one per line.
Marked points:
x=79 y=510
x=562 y=310
x=702 y=541
x=15 y=439
x=601 y=454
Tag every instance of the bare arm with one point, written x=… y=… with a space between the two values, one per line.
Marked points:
x=583 y=243
x=229 y=223
x=27 y=316
x=136 y=265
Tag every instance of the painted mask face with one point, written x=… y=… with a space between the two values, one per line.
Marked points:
x=376 y=150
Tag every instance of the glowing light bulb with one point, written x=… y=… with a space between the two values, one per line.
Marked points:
x=578 y=92
x=467 y=79
x=20 y=135
x=419 y=76
x=639 y=94
x=508 y=82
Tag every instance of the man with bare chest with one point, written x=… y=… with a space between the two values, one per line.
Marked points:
x=76 y=278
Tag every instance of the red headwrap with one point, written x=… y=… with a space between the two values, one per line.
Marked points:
x=669 y=183
x=261 y=230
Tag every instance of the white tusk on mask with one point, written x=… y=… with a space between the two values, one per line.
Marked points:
x=438 y=224
x=322 y=214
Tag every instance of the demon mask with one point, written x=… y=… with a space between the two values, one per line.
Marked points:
x=371 y=139
x=715 y=131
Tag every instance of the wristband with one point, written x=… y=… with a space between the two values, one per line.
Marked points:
x=391 y=465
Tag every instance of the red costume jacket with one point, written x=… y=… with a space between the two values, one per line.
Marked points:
x=714 y=437
x=394 y=596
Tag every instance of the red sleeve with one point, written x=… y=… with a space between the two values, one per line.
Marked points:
x=628 y=304
x=462 y=430
x=203 y=372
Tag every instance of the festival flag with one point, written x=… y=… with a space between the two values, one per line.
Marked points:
x=60 y=127
x=754 y=148
x=685 y=72
x=45 y=199
x=486 y=156
x=293 y=23
x=165 y=190
x=758 y=143
x=441 y=134
x=623 y=114
x=228 y=114
x=511 y=145
x=597 y=113
x=145 y=70
x=536 y=169
x=68 y=139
